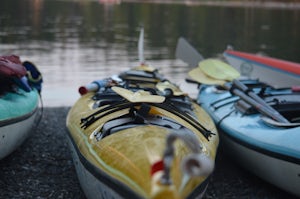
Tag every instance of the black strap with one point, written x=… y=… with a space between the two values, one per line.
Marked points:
x=189 y=119
x=87 y=121
x=142 y=112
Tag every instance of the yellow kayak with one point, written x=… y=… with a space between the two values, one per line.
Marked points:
x=137 y=135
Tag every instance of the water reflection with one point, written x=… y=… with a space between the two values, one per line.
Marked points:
x=75 y=42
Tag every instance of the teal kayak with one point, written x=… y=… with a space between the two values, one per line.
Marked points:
x=18 y=112
x=19 y=102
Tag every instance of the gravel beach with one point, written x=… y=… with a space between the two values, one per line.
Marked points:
x=42 y=168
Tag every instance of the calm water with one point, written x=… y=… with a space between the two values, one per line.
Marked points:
x=76 y=42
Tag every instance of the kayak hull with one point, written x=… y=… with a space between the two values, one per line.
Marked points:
x=91 y=185
x=276 y=72
x=283 y=173
x=117 y=154
x=94 y=187
x=16 y=125
x=270 y=152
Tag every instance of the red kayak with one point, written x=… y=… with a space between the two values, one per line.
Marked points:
x=279 y=73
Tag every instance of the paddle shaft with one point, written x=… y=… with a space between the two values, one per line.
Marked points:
x=261 y=108
x=141 y=47
x=273 y=113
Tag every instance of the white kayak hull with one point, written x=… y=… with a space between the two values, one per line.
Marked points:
x=279 y=172
x=15 y=133
x=93 y=188
x=264 y=70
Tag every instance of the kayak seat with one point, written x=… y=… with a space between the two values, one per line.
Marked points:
x=291 y=111
x=287 y=105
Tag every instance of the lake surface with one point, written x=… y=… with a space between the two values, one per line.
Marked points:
x=76 y=42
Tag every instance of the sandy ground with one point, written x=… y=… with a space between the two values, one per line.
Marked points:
x=42 y=168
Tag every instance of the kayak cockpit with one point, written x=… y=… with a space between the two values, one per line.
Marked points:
x=285 y=101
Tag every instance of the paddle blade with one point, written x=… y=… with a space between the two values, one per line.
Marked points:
x=198 y=75
x=141 y=46
x=162 y=86
x=144 y=67
x=218 y=69
x=139 y=96
x=187 y=53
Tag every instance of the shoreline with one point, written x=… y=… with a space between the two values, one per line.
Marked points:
x=43 y=168
x=242 y=4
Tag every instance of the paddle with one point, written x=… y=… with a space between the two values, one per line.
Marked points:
x=187 y=52
x=197 y=74
x=141 y=47
x=143 y=66
x=217 y=72
x=167 y=88
x=139 y=96
x=223 y=71
x=263 y=109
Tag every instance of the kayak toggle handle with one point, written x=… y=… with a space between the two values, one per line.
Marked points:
x=195 y=164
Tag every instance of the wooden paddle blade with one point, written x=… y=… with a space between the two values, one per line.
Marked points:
x=144 y=67
x=187 y=53
x=218 y=69
x=139 y=96
x=198 y=75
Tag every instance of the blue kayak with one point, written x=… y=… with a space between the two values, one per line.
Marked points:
x=267 y=148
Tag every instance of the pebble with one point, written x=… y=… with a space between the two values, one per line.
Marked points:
x=42 y=168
